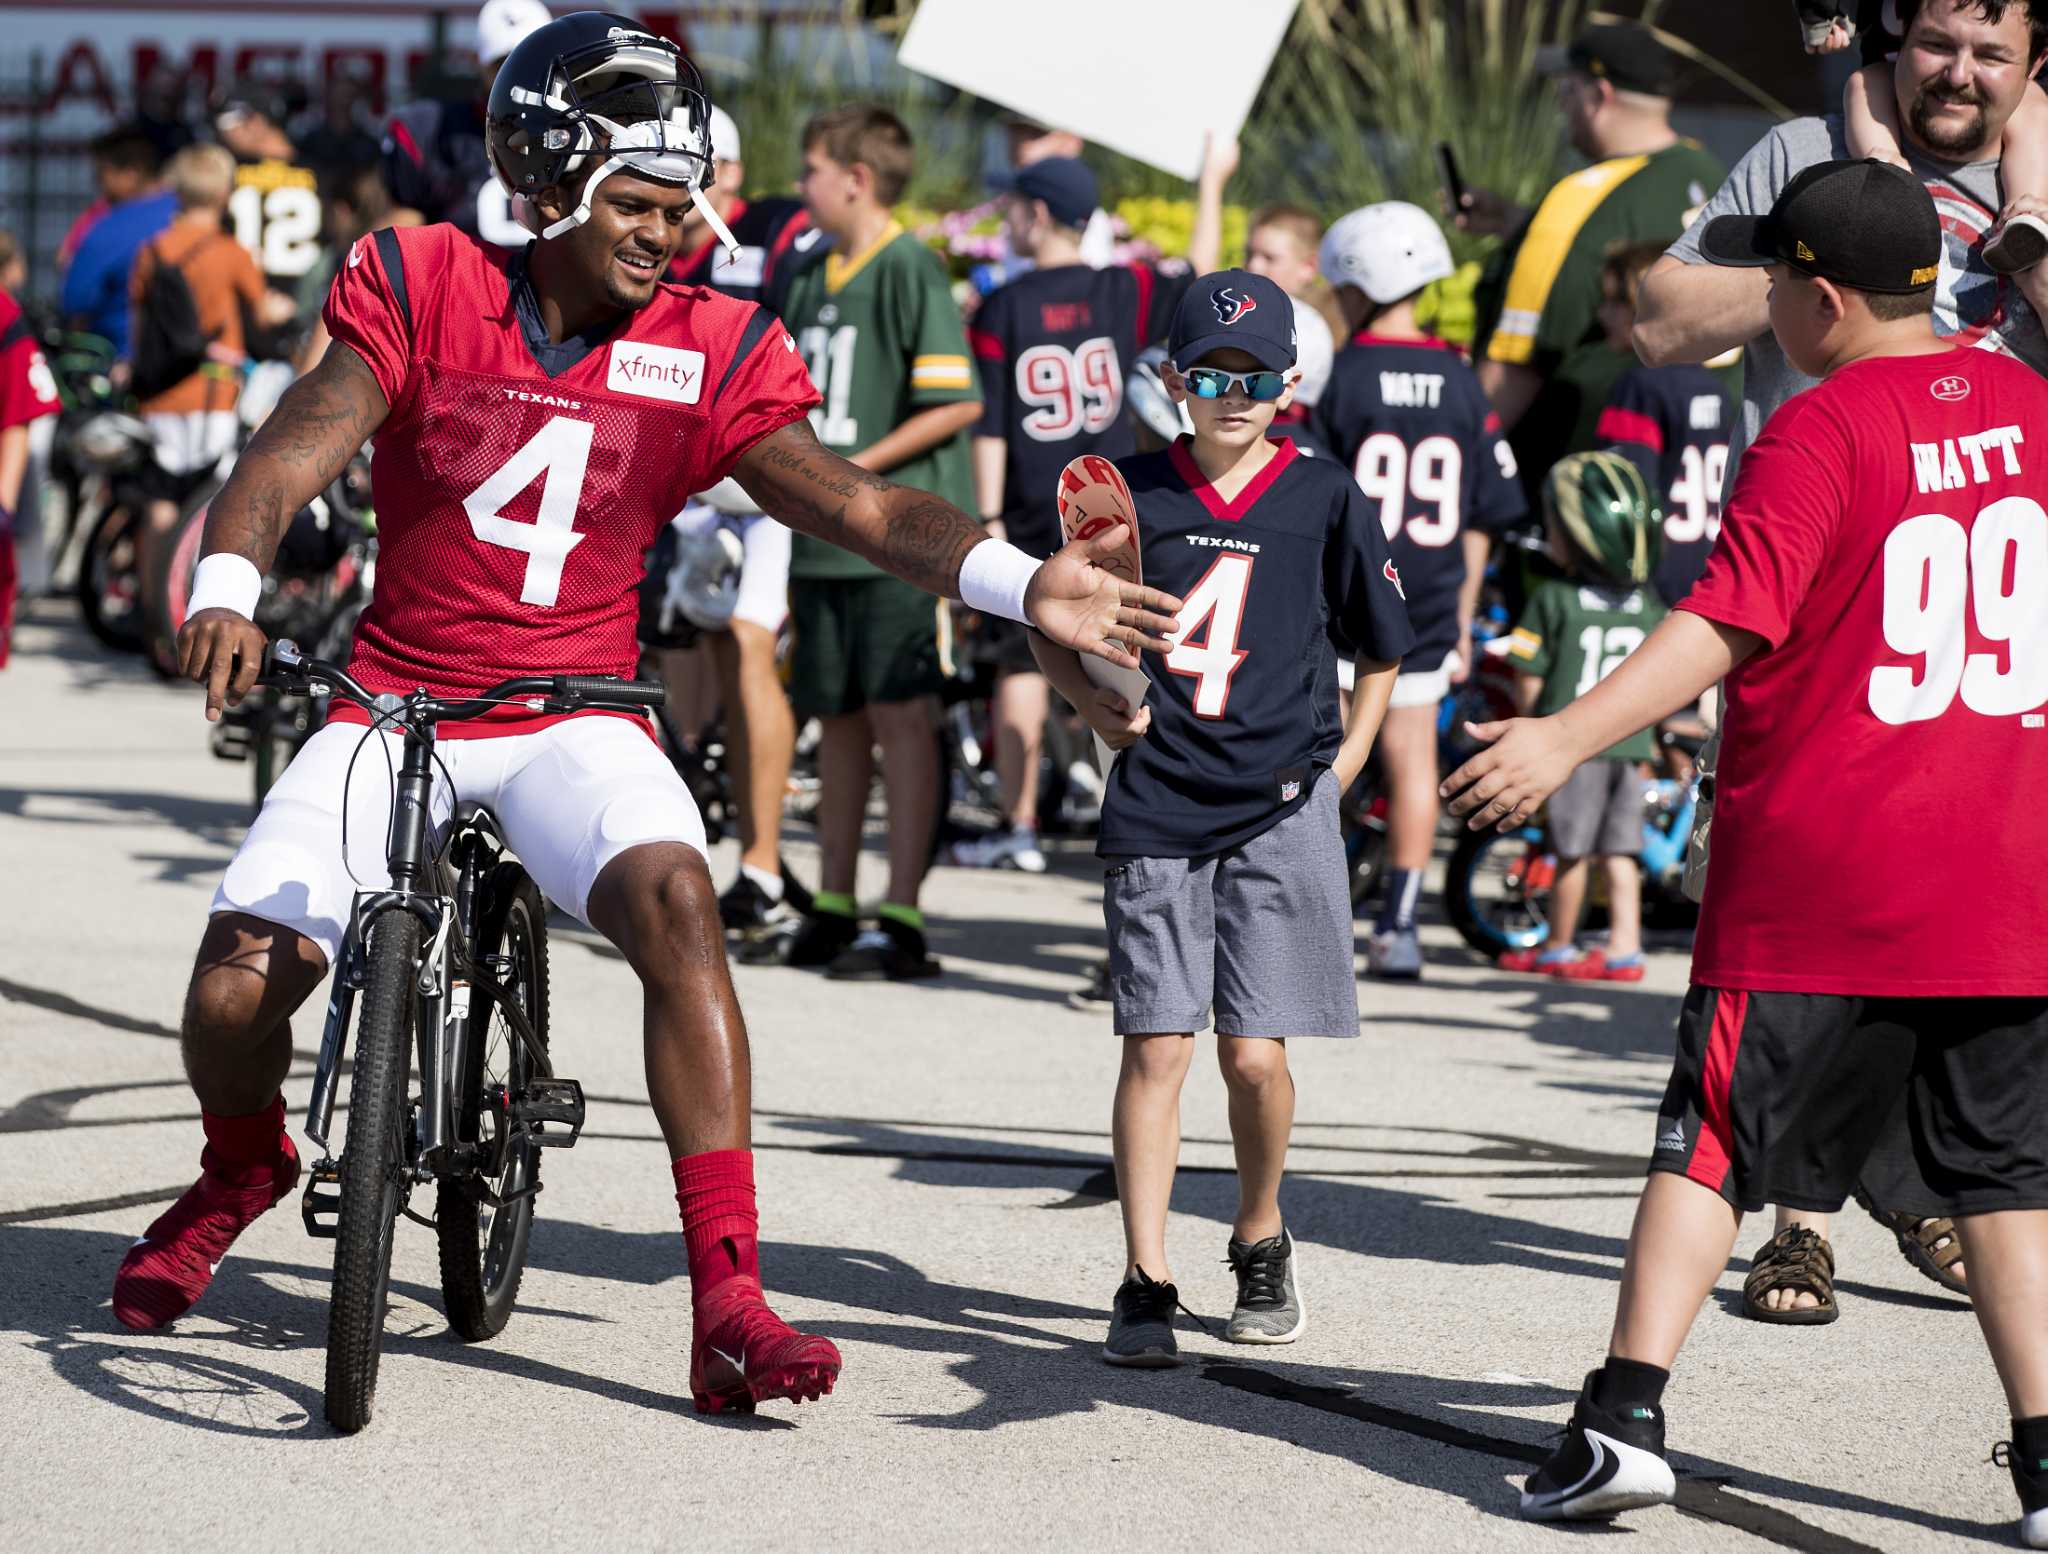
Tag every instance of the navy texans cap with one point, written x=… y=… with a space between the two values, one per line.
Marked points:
x=1233 y=309
x=1063 y=182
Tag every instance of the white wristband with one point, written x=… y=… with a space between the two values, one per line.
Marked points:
x=994 y=577
x=225 y=582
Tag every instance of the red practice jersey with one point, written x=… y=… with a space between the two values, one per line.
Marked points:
x=28 y=391
x=1876 y=829
x=519 y=483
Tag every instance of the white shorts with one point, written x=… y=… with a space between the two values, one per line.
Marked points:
x=764 y=565
x=569 y=799
x=1417 y=688
x=189 y=441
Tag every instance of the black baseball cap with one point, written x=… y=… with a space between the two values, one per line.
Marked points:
x=1628 y=55
x=1233 y=309
x=1866 y=225
x=1063 y=182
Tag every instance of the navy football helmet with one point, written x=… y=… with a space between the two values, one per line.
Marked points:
x=595 y=85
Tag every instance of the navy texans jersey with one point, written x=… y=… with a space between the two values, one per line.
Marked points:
x=1410 y=421
x=1275 y=584
x=766 y=230
x=1673 y=422
x=1053 y=347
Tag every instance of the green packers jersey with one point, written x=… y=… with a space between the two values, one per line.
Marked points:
x=1539 y=300
x=1574 y=635
x=883 y=340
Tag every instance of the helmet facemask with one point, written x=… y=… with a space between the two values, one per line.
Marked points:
x=640 y=107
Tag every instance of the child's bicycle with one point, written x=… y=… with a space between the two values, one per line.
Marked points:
x=1497 y=884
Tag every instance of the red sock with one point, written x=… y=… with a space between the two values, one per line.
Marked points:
x=715 y=1191
x=244 y=1150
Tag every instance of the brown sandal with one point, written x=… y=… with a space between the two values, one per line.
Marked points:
x=1794 y=1259
x=1919 y=1242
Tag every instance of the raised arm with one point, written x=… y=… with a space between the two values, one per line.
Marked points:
x=295 y=455
x=1695 y=312
x=925 y=540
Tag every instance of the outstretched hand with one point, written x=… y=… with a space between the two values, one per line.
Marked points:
x=1079 y=605
x=1526 y=760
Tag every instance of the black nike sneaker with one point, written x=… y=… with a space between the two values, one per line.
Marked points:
x=2030 y=1481
x=747 y=908
x=1606 y=1463
x=891 y=950
x=821 y=939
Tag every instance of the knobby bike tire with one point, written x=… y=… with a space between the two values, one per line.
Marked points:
x=95 y=564
x=483 y=1252
x=371 y=1164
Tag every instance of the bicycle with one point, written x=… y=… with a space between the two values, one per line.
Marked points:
x=451 y=958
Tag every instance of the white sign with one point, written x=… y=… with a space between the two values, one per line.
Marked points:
x=1144 y=77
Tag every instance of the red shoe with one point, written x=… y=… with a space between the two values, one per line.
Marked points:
x=1588 y=967
x=1520 y=960
x=745 y=1354
x=173 y=1261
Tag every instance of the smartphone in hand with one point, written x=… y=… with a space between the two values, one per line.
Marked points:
x=1447 y=170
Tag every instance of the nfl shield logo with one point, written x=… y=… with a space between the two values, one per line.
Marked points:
x=1289 y=792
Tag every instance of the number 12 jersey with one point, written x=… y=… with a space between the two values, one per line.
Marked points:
x=1877 y=825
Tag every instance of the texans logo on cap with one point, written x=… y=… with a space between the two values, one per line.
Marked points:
x=1230 y=306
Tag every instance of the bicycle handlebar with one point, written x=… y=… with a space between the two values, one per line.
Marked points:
x=286 y=667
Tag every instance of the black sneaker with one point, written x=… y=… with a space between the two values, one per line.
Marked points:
x=891 y=950
x=2030 y=1481
x=1141 y=1324
x=1093 y=994
x=821 y=939
x=1606 y=1463
x=746 y=907
x=1269 y=1306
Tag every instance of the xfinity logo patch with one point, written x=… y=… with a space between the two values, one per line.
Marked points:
x=656 y=372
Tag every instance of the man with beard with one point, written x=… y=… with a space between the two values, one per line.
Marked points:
x=1961 y=72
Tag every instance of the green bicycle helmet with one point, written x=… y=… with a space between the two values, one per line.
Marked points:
x=1608 y=516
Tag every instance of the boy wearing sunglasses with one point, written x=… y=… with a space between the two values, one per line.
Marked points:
x=1408 y=418
x=1226 y=885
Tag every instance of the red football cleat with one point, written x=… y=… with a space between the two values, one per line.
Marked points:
x=745 y=1354
x=173 y=1262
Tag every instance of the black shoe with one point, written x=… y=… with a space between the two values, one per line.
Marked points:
x=890 y=950
x=1093 y=994
x=821 y=939
x=1141 y=1324
x=1606 y=1463
x=746 y=907
x=2030 y=1481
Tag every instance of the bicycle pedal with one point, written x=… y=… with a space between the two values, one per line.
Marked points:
x=320 y=1205
x=557 y=1101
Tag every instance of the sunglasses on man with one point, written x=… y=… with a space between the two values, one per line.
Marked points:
x=1214 y=383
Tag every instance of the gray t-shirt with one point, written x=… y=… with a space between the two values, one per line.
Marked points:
x=1971 y=301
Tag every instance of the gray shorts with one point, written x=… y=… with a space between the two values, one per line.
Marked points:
x=1263 y=930
x=1599 y=811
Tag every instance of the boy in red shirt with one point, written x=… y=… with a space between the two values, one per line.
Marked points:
x=1873 y=898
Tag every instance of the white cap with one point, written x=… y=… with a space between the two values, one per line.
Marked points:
x=1314 y=353
x=1388 y=251
x=502 y=25
x=725 y=136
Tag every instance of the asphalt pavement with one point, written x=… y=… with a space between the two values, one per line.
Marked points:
x=936 y=1196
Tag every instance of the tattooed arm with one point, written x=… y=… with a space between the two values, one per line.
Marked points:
x=295 y=455
x=923 y=540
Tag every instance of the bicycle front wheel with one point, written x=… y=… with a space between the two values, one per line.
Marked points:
x=483 y=1246
x=372 y=1171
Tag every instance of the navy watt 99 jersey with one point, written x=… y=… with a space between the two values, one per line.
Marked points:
x=1673 y=423
x=1410 y=421
x=1275 y=584
x=1053 y=346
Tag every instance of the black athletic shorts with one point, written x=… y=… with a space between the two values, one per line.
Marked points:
x=1785 y=1098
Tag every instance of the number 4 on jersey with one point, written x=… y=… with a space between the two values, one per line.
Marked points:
x=1214 y=607
x=561 y=451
